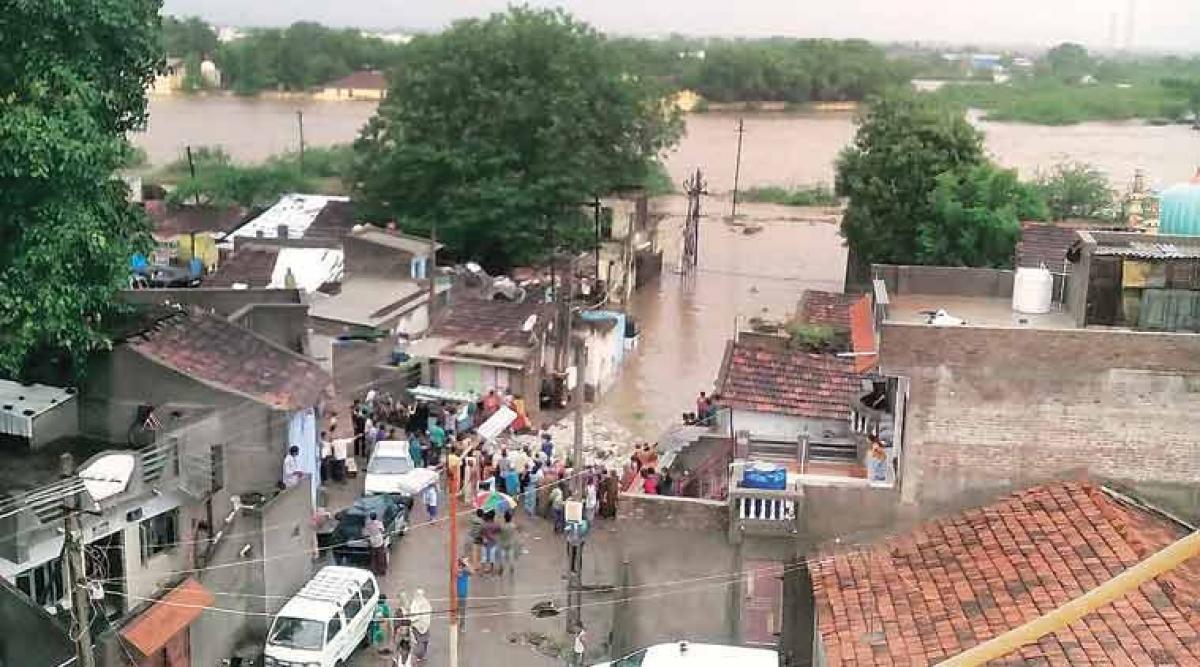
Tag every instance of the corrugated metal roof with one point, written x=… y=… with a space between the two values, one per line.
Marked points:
x=294 y=211
x=1149 y=250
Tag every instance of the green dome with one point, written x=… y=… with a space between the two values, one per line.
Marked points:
x=1179 y=210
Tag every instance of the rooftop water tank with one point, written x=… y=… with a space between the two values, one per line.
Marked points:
x=1179 y=209
x=1033 y=290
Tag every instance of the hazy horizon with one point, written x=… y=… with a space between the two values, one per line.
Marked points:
x=1159 y=25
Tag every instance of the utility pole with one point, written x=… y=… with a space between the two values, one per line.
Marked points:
x=300 y=123
x=694 y=187
x=452 y=487
x=76 y=575
x=737 y=167
x=575 y=534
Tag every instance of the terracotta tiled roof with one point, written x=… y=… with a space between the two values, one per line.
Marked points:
x=919 y=598
x=862 y=335
x=216 y=352
x=251 y=266
x=491 y=322
x=169 y=222
x=364 y=80
x=788 y=382
x=829 y=309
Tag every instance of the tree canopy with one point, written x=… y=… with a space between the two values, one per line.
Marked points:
x=67 y=230
x=903 y=144
x=976 y=217
x=190 y=36
x=1076 y=190
x=300 y=57
x=499 y=129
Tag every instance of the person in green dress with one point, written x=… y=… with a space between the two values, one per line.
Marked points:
x=381 y=626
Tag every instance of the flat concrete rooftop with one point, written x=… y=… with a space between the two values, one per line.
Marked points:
x=976 y=311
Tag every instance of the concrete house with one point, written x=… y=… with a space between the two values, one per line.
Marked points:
x=476 y=346
x=603 y=334
x=192 y=231
x=629 y=254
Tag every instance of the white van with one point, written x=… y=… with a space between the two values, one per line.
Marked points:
x=323 y=623
x=391 y=471
x=687 y=654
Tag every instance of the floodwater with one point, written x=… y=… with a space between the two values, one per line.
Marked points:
x=777 y=148
x=686 y=321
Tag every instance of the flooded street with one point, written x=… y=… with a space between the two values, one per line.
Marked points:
x=686 y=322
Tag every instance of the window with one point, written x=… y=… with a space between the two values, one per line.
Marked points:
x=335 y=626
x=606 y=223
x=159 y=534
x=217 y=458
x=297 y=633
x=44 y=583
x=632 y=660
x=353 y=605
x=417 y=268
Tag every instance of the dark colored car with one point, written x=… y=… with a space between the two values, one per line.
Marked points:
x=349 y=544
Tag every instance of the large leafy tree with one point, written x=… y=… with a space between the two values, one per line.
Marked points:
x=903 y=144
x=498 y=129
x=72 y=84
x=189 y=36
x=1076 y=190
x=976 y=217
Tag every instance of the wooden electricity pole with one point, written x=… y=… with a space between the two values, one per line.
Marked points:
x=76 y=574
x=452 y=483
x=300 y=123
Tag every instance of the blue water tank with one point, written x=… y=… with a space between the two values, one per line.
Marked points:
x=1179 y=210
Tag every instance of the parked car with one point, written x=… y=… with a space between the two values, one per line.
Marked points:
x=391 y=471
x=349 y=544
x=687 y=654
x=325 y=622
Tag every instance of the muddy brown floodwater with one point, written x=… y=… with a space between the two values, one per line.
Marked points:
x=686 y=321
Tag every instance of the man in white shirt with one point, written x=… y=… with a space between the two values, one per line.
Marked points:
x=292 y=473
x=431 y=500
x=374 y=532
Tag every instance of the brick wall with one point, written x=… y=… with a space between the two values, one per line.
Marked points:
x=1004 y=407
x=674 y=512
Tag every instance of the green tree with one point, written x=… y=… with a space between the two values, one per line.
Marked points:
x=190 y=36
x=903 y=144
x=497 y=128
x=72 y=79
x=976 y=217
x=1189 y=90
x=1068 y=62
x=1076 y=190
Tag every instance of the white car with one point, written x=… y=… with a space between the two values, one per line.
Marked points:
x=325 y=622
x=687 y=654
x=391 y=471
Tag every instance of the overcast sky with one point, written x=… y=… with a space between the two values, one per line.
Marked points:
x=1159 y=24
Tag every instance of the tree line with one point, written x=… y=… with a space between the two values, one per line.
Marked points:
x=307 y=55
x=299 y=57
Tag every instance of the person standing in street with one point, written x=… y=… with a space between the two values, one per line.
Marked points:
x=375 y=540
x=533 y=488
x=431 y=501
x=548 y=446
x=381 y=626
x=510 y=544
x=420 y=614
x=491 y=543
x=292 y=472
x=462 y=586
x=590 y=501
x=558 y=508
x=580 y=648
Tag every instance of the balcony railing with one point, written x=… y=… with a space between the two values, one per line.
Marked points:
x=760 y=512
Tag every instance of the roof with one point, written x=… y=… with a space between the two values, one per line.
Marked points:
x=322 y=595
x=310 y=267
x=251 y=266
x=699 y=655
x=496 y=323
x=297 y=212
x=362 y=80
x=170 y=222
x=958 y=581
x=216 y=352
x=21 y=404
x=862 y=335
x=392 y=449
x=787 y=382
x=1143 y=246
x=334 y=221
x=267 y=266
x=176 y=610
x=368 y=301
x=413 y=245
x=1044 y=245
x=829 y=309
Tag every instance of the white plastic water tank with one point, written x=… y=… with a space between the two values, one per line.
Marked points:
x=1033 y=290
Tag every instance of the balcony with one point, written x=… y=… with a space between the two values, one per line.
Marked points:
x=760 y=512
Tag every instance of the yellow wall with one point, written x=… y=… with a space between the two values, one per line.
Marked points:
x=206 y=248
